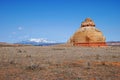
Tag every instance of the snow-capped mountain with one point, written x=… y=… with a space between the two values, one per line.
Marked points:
x=39 y=42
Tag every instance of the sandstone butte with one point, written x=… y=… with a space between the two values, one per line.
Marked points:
x=87 y=35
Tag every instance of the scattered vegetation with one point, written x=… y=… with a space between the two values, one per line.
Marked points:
x=59 y=63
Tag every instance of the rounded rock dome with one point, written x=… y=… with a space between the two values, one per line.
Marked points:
x=87 y=35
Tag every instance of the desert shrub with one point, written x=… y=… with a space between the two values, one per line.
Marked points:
x=78 y=78
x=33 y=67
x=97 y=57
x=21 y=51
x=88 y=66
x=103 y=63
x=113 y=56
x=12 y=62
x=28 y=56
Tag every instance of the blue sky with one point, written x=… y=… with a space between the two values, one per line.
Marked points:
x=56 y=20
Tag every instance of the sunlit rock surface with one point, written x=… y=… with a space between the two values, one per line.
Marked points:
x=87 y=35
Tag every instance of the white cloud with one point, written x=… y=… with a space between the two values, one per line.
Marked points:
x=20 y=28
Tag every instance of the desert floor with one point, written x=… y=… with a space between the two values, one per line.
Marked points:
x=59 y=63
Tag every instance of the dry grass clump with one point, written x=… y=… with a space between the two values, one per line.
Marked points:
x=33 y=67
x=97 y=57
x=21 y=51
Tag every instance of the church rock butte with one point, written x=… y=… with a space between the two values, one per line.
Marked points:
x=87 y=35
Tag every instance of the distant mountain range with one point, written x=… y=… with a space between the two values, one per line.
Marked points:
x=113 y=43
x=45 y=42
x=38 y=42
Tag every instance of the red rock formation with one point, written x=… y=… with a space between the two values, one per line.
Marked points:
x=87 y=35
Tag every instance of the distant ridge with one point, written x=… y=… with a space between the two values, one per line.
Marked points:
x=4 y=44
x=113 y=43
x=39 y=42
x=25 y=43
